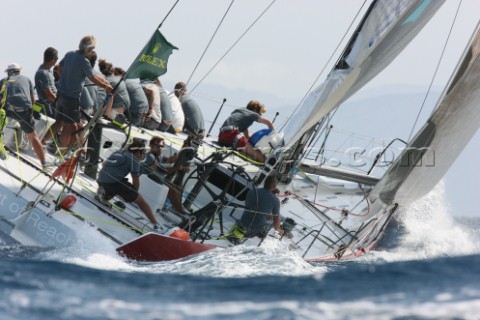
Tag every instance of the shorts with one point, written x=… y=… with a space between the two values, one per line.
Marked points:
x=151 y=124
x=255 y=231
x=232 y=138
x=137 y=119
x=68 y=109
x=123 y=188
x=25 y=117
x=163 y=127
x=45 y=107
x=51 y=109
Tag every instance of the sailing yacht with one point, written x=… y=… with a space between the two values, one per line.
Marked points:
x=329 y=212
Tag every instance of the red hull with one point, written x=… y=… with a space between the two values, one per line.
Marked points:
x=156 y=247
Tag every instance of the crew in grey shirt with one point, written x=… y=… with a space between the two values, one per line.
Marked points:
x=118 y=165
x=19 y=98
x=74 y=69
x=98 y=94
x=241 y=119
x=194 y=121
x=45 y=81
x=19 y=90
x=138 y=102
x=121 y=99
x=113 y=181
x=262 y=210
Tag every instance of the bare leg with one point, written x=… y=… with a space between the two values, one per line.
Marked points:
x=175 y=198
x=77 y=136
x=113 y=113
x=54 y=128
x=108 y=107
x=256 y=154
x=37 y=146
x=143 y=205
x=68 y=129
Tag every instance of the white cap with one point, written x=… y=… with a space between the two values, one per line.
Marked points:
x=13 y=66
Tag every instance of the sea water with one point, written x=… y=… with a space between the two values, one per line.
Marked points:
x=427 y=267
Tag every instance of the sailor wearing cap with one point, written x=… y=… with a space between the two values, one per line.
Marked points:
x=13 y=67
x=19 y=100
x=112 y=179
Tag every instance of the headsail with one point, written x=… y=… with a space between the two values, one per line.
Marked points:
x=385 y=31
x=432 y=151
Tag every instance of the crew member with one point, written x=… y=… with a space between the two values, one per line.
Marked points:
x=112 y=178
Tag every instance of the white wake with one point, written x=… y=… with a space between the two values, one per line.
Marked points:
x=431 y=231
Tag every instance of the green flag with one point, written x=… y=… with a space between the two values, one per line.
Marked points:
x=152 y=61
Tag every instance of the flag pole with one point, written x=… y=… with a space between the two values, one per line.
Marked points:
x=159 y=26
x=137 y=57
x=168 y=13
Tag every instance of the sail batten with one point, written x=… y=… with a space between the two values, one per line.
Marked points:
x=387 y=30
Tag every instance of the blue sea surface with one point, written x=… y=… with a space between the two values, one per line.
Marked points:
x=427 y=267
x=430 y=289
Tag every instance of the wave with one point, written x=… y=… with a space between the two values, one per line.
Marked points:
x=424 y=230
x=427 y=229
x=273 y=258
x=432 y=288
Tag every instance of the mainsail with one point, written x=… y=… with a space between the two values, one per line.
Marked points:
x=454 y=121
x=385 y=31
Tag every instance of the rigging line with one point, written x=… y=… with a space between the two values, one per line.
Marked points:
x=18 y=155
x=209 y=42
x=228 y=105
x=234 y=44
x=328 y=61
x=436 y=70
x=53 y=136
x=215 y=100
x=168 y=13
x=322 y=130
x=326 y=129
x=342 y=131
x=103 y=221
x=65 y=184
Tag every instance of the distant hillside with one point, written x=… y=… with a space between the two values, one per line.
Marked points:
x=370 y=112
x=385 y=112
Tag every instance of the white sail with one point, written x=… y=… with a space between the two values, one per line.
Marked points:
x=436 y=146
x=387 y=29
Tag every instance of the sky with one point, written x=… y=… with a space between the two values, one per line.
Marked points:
x=276 y=61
